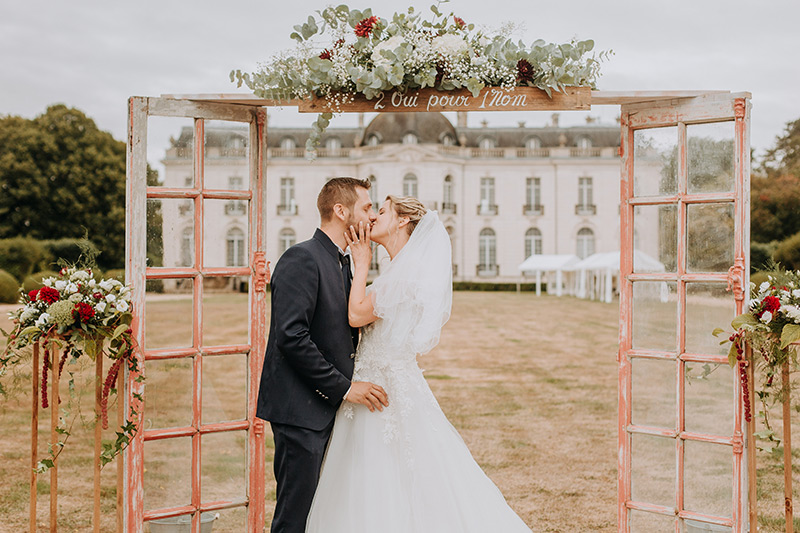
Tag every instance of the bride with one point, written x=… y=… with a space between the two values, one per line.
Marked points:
x=404 y=469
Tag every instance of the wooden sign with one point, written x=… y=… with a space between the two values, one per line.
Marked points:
x=489 y=99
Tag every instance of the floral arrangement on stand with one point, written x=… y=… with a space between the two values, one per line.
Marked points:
x=367 y=55
x=71 y=315
x=770 y=326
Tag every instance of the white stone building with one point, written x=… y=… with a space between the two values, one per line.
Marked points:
x=503 y=193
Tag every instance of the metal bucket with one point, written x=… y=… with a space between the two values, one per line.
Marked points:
x=693 y=526
x=182 y=524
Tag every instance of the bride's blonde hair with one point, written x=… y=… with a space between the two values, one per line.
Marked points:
x=408 y=206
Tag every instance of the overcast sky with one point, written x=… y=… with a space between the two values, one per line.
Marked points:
x=95 y=54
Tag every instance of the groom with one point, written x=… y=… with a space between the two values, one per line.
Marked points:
x=308 y=365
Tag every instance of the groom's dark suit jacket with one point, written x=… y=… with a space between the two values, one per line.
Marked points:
x=310 y=352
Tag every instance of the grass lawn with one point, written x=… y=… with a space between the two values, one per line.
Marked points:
x=530 y=383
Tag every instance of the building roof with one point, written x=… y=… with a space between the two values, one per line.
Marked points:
x=430 y=128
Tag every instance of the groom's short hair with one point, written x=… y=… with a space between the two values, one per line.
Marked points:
x=339 y=191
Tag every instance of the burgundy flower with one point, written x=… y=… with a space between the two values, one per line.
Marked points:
x=366 y=26
x=48 y=295
x=326 y=54
x=97 y=296
x=525 y=70
x=771 y=304
x=83 y=312
x=32 y=295
x=460 y=24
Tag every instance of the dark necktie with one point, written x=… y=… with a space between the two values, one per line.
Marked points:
x=346 y=274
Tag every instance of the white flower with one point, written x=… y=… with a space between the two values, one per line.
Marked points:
x=450 y=45
x=27 y=314
x=110 y=298
x=48 y=282
x=92 y=283
x=389 y=44
x=61 y=285
x=791 y=311
x=79 y=275
x=72 y=288
x=100 y=306
x=122 y=306
x=75 y=298
x=43 y=320
x=796 y=293
x=484 y=41
x=106 y=285
x=766 y=318
x=115 y=283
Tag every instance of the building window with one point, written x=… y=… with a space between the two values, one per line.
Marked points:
x=486 y=143
x=187 y=247
x=533 y=196
x=235 y=183
x=533 y=242
x=487 y=253
x=533 y=143
x=448 y=205
x=188 y=181
x=333 y=144
x=373 y=191
x=448 y=140
x=287 y=143
x=585 y=204
x=584 y=143
x=585 y=246
x=410 y=138
x=373 y=140
x=236 y=247
x=287 y=205
x=410 y=185
x=287 y=239
x=487 y=205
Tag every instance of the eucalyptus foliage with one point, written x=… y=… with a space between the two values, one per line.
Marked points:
x=367 y=55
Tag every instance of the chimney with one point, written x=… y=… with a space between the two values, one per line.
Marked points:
x=554 y=118
x=462 y=119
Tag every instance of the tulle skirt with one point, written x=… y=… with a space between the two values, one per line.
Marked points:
x=406 y=470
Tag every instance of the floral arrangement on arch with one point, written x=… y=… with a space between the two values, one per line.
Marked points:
x=70 y=315
x=367 y=55
x=771 y=326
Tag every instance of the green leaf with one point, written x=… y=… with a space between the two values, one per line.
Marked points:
x=744 y=319
x=717 y=331
x=790 y=334
x=732 y=355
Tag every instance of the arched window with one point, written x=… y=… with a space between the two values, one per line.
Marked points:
x=584 y=142
x=373 y=140
x=410 y=138
x=373 y=191
x=410 y=185
x=187 y=247
x=235 y=141
x=447 y=140
x=585 y=243
x=333 y=143
x=487 y=252
x=533 y=242
x=533 y=143
x=447 y=192
x=235 y=247
x=287 y=143
x=287 y=239
x=486 y=143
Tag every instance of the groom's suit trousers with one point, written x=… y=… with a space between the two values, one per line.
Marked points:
x=298 y=461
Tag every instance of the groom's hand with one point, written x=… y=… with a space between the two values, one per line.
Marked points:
x=369 y=394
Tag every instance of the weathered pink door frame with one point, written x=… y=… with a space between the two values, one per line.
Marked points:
x=138 y=193
x=640 y=109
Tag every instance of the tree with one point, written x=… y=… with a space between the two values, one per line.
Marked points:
x=774 y=207
x=784 y=157
x=61 y=176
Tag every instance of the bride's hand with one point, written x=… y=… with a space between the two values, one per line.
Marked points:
x=359 y=243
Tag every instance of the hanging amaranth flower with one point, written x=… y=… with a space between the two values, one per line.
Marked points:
x=366 y=26
x=525 y=70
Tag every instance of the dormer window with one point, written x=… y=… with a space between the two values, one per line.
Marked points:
x=287 y=143
x=410 y=138
x=373 y=140
x=486 y=143
x=584 y=143
x=533 y=143
x=333 y=143
x=448 y=140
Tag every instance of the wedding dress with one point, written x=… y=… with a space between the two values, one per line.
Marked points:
x=405 y=469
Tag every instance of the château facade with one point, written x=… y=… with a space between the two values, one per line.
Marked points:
x=503 y=193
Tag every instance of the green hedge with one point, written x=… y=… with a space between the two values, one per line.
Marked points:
x=761 y=254
x=34 y=281
x=20 y=256
x=494 y=287
x=9 y=288
x=788 y=252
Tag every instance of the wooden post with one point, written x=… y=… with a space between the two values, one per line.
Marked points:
x=787 y=448
x=54 y=401
x=98 y=435
x=751 y=444
x=34 y=433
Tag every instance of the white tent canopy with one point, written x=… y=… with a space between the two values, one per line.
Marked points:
x=558 y=263
x=596 y=273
